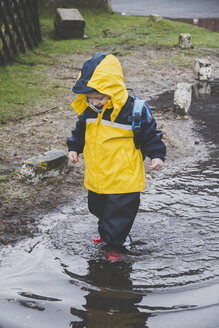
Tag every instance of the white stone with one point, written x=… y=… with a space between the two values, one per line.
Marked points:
x=185 y=40
x=155 y=18
x=182 y=98
x=202 y=69
x=50 y=164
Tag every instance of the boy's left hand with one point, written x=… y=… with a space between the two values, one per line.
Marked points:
x=156 y=164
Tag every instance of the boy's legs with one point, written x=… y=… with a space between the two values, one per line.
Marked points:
x=96 y=204
x=119 y=214
x=116 y=213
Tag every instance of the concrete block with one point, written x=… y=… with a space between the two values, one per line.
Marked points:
x=185 y=40
x=69 y=33
x=70 y=18
x=202 y=69
x=182 y=98
x=50 y=164
x=153 y=18
x=69 y=23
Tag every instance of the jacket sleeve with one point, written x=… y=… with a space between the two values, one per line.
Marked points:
x=77 y=139
x=151 y=144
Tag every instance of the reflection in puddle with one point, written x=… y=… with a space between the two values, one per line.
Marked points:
x=170 y=277
x=208 y=23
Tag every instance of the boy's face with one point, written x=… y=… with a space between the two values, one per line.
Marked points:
x=97 y=99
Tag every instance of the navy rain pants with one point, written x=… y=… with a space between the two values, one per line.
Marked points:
x=116 y=214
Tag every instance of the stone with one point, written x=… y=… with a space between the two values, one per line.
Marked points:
x=50 y=164
x=69 y=23
x=68 y=33
x=182 y=98
x=185 y=40
x=70 y=18
x=195 y=21
x=155 y=18
x=202 y=68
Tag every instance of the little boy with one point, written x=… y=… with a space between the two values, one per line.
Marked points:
x=114 y=170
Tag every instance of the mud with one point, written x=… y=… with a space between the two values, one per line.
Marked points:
x=149 y=71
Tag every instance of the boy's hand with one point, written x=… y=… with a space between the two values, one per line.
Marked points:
x=156 y=164
x=73 y=157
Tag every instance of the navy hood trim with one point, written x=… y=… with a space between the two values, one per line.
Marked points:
x=87 y=72
x=82 y=89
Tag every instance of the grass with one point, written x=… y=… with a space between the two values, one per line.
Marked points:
x=26 y=86
x=173 y=60
x=21 y=88
x=104 y=29
x=4 y=178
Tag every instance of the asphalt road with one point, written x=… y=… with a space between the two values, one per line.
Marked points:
x=168 y=8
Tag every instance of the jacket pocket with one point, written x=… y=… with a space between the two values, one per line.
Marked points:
x=128 y=162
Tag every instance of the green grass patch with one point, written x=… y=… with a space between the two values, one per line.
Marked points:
x=7 y=177
x=26 y=85
x=4 y=178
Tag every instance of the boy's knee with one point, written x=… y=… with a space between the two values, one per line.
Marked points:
x=95 y=204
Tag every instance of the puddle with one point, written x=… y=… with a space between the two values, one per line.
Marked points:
x=204 y=109
x=211 y=24
x=169 y=279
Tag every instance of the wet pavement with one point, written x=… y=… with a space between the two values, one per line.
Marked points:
x=168 y=8
x=199 y=12
x=169 y=279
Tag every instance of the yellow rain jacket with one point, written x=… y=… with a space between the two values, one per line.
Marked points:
x=113 y=165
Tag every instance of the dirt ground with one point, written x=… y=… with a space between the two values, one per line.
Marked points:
x=149 y=71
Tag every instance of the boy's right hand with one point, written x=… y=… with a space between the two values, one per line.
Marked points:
x=73 y=157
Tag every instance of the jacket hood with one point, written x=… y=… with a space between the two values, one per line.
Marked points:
x=103 y=73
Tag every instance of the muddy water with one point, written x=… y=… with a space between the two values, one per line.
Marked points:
x=169 y=279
